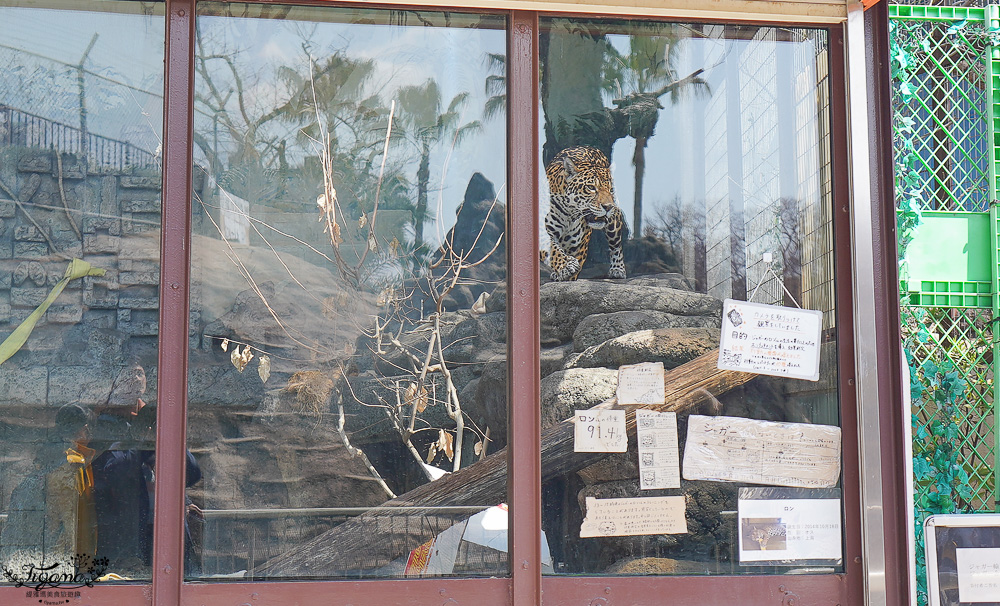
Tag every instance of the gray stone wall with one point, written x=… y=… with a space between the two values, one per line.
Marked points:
x=55 y=209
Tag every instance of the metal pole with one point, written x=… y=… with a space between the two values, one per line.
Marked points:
x=867 y=370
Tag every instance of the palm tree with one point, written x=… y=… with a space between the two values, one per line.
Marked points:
x=648 y=70
x=426 y=125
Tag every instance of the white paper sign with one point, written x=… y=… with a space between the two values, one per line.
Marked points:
x=789 y=529
x=770 y=340
x=632 y=517
x=734 y=449
x=978 y=574
x=599 y=430
x=659 y=461
x=641 y=383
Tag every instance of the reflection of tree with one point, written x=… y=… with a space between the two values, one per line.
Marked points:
x=649 y=70
x=573 y=55
x=495 y=86
x=427 y=125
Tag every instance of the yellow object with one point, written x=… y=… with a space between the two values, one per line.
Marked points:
x=78 y=268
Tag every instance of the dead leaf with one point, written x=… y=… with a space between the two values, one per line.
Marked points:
x=335 y=234
x=478 y=448
x=264 y=368
x=236 y=359
x=225 y=344
x=416 y=396
x=395 y=246
x=432 y=453
x=446 y=442
x=240 y=360
x=479 y=307
x=246 y=356
x=372 y=243
x=362 y=221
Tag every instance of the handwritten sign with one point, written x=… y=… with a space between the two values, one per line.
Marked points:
x=978 y=574
x=599 y=430
x=632 y=517
x=659 y=461
x=733 y=449
x=789 y=529
x=641 y=383
x=770 y=340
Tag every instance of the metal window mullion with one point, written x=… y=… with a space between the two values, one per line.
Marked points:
x=523 y=375
x=175 y=259
x=992 y=58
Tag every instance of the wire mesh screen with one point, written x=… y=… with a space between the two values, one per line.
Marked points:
x=941 y=110
x=953 y=357
x=232 y=544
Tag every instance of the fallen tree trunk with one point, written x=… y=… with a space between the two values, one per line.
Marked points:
x=385 y=533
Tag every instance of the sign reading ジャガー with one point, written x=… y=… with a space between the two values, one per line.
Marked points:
x=770 y=340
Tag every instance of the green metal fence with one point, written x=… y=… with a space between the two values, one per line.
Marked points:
x=945 y=81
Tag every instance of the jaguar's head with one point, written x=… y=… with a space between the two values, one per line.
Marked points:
x=589 y=185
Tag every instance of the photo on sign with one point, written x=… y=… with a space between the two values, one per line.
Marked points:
x=761 y=534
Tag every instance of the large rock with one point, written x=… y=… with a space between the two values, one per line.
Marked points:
x=564 y=391
x=598 y=328
x=491 y=398
x=672 y=346
x=565 y=304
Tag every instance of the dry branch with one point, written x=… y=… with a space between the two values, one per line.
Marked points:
x=382 y=535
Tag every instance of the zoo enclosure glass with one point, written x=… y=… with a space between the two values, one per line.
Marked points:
x=251 y=366
x=697 y=158
x=81 y=97
x=348 y=337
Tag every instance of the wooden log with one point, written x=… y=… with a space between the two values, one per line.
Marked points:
x=376 y=538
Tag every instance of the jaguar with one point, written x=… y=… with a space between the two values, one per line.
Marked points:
x=581 y=199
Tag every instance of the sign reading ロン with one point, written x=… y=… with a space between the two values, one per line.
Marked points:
x=80 y=571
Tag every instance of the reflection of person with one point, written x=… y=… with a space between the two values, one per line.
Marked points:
x=124 y=482
x=51 y=516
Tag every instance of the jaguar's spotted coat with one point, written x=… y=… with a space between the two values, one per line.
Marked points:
x=582 y=199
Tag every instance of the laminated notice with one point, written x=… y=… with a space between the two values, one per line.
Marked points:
x=635 y=516
x=641 y=383
x=734 y=449
x=786 y=530
x=599 y=430
x=770 y=340
x=978 y=574
x=659 y=461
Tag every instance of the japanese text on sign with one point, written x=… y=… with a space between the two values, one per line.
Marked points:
x=978 y=574
x=734 y=449
x=659 y=461
x=641 y=383
x=789 y=529
x=631 y=517
x=770 y=340
x=599 y=430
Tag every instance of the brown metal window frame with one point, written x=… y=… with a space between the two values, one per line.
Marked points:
x=525 y=585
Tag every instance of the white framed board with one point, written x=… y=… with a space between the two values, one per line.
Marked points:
x=963 y=559
x=770 y=340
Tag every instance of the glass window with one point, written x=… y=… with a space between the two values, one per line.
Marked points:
x=81 y=96
x=687 y=197
x=348 y=336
